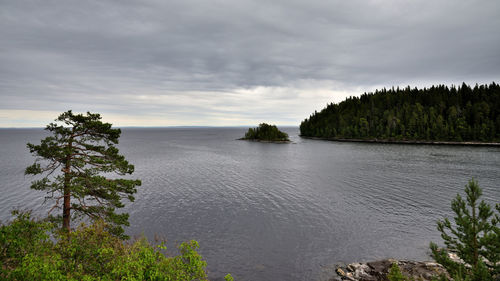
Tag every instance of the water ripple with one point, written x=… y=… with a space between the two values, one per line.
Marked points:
x=278 y=212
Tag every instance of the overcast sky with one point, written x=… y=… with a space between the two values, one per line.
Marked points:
x=223 y=63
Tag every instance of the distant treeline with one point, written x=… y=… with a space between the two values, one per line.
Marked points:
x=439 y=113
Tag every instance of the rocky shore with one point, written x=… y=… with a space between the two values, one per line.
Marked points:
x=378 y=270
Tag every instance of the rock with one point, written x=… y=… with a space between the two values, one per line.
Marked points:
x=378 y=270
x=368 y=278
x=355 y=265
x=362 y=273
x=349 y=276
x=351 y=268
x=340 y=271
x=380 y=266
x=454 y=257
x=422 y=270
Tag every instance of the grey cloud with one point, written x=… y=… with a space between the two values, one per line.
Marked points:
x=59 y=53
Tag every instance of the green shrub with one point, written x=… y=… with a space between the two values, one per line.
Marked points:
x=395 y=274
x=20 y=238
x=89 y=253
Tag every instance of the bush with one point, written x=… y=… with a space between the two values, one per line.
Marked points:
x=395 y=274
x=20 y=238
x=89 y=253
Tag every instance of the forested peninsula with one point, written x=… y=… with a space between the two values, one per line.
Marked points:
x=436 y=114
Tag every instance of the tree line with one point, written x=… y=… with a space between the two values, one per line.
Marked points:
x=438 y=113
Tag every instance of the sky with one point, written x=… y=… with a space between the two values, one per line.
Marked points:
x=231 y=63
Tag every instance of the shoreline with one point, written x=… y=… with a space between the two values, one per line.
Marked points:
x=379 y=269
x=412 y=142
x=266 y=141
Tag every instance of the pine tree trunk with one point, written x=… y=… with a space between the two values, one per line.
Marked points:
x=66 y=209
x=474 y=237
x=67 y=193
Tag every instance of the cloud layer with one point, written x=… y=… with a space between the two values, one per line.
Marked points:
x=232 y=62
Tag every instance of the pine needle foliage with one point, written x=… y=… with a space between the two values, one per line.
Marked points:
x=474 y=237
x=395 y=274
x=72 y=163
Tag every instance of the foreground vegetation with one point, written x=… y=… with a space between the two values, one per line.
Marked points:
x=265 y=132
x=27 y=252
x=438 y=113
x=474 y=237
x=72 y=164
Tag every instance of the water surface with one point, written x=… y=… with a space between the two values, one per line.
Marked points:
x=266 y=211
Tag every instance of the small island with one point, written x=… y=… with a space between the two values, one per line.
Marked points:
x=266 y=133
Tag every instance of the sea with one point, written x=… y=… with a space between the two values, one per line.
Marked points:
x=268 y=211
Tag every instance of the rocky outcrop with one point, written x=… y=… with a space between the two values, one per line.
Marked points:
x=378 y=270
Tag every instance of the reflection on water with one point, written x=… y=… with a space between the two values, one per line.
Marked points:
x=278 y=211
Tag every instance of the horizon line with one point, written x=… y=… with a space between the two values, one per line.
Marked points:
x=173 y=126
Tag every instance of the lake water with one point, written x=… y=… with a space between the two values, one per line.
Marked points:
x=264 y=211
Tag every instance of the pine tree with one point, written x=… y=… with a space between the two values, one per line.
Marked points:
x=395 y=274
x=71 y=162
x=474 y=237
x=492 y=241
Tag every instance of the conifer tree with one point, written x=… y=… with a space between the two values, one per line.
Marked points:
x=72 y=163
x=474 y=237
x=438 y=113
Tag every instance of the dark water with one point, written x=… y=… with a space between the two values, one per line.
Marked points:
x=279 y=211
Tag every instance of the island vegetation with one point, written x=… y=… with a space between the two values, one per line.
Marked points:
x=438 y=113
x=266 y=132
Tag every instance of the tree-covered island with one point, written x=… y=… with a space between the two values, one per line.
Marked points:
x=266 y=133
x=435 y=114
